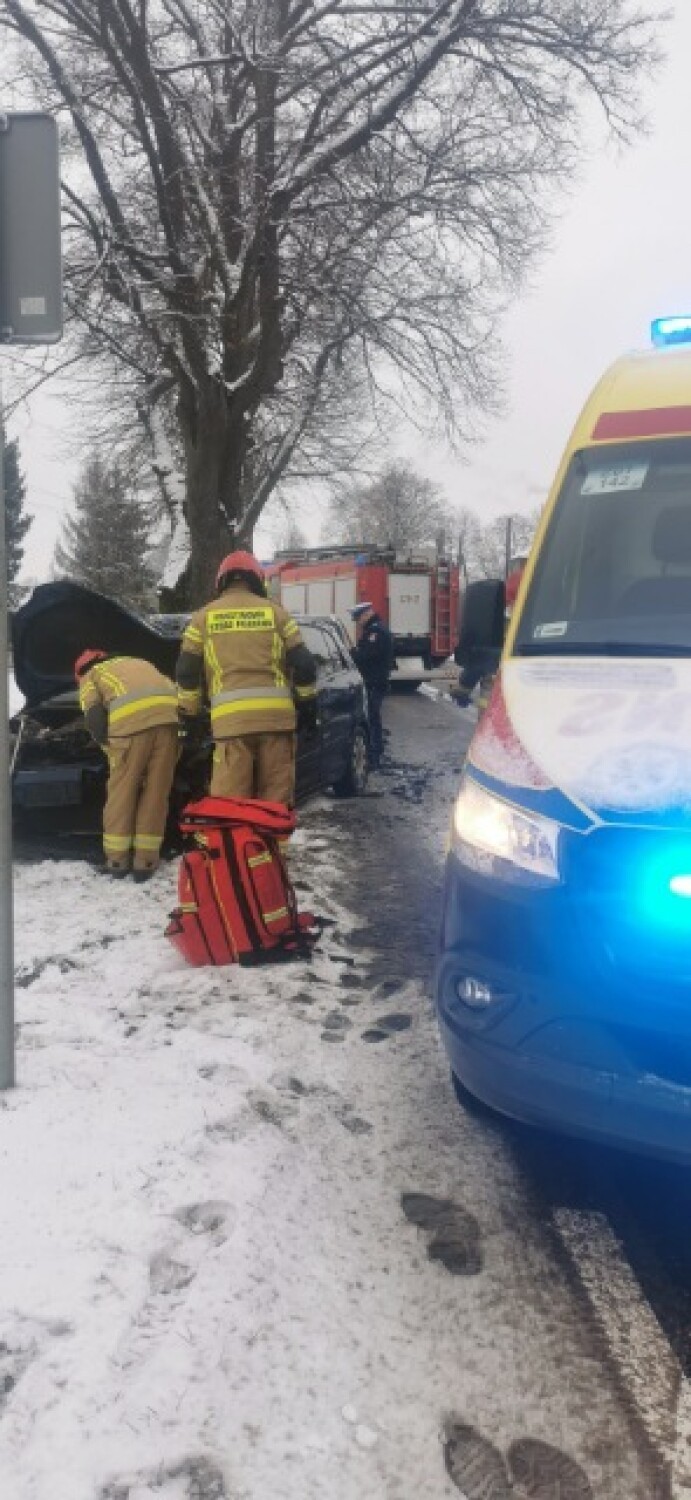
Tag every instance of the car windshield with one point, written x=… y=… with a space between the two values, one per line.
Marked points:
x=614 y=572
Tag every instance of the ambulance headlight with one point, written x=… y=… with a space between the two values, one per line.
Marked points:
x=496 y=839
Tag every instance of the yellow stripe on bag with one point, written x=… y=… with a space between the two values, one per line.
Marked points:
x=275 y=916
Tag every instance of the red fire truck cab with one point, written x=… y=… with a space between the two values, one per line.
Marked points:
x=416 y=595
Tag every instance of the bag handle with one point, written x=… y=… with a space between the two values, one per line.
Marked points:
x=228 y=812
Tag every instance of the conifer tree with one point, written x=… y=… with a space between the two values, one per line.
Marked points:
x=105 y=540
x=16 y=522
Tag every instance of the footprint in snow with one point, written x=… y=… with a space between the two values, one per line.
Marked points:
x=273 y=1109
x=214 y=1217
x=167 y=1275
x=533 y=1470
x=455 y=1234
x=386 y=1027
x=350 y=1121
x=541 y=1472
x=475 y=1466
x=222 y=1073
x=335 y=1026
x=15 y=1358
x=201 y=1478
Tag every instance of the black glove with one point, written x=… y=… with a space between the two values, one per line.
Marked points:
x=193 y=729
x=308 y=719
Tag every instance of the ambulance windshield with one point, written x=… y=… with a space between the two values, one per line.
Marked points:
x=614 y=572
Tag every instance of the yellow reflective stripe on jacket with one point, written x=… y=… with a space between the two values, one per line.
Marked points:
x=260 y=859
x=310 y=691
x=158 y=699
x=192 y=640
x=290 y=629
x=214 y=666
x=247 y=697
x=251 y=706
x=277 y=660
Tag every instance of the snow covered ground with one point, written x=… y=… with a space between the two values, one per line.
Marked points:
x=250 y=1247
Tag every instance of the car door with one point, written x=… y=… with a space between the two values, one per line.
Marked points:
x=338 y=707
x=308 y=770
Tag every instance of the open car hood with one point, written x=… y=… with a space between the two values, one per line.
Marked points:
x=60 y=620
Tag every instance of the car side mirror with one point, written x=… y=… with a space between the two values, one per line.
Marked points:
x=482 y=622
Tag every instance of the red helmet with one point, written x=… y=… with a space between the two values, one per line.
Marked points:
x=244 y=564
x=88 y=659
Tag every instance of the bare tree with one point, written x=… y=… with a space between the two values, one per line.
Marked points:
x=398 y=509
x=283 y=197
x=487 y=557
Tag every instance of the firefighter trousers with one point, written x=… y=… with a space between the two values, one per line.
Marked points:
x=141 y=773
x=255 y=765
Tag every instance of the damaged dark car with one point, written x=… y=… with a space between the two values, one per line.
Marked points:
x=59 y=773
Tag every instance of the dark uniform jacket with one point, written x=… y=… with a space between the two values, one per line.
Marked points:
x=374 y=654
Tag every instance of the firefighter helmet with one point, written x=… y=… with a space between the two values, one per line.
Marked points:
x=88 y=659
x=241 y=565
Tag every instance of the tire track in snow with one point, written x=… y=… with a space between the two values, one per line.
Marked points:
x=648 y=1366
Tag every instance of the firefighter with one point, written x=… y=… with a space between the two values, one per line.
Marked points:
x=130 y=710
x=245 y=653
x=373 y=656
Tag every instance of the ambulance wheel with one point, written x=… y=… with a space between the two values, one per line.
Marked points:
x=472 y=1106
x=354 y=781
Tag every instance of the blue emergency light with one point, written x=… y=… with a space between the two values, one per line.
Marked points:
x=661 y=889
x=666 y=331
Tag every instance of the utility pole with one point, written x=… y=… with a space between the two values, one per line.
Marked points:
x=30 y=313
x=508 y=546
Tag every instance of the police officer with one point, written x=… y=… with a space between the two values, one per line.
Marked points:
x=373 y=655
x=130 y=710
x=246 y=655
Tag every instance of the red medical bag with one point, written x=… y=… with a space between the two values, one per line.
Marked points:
x=236 y=900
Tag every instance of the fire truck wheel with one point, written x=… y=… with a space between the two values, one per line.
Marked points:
x=354 y=782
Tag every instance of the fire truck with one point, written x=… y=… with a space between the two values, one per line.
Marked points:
x=416 y=594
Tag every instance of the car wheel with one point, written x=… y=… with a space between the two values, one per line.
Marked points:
x=354 y=781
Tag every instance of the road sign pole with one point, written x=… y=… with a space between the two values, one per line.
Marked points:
x=30 y=313
x=7 y=1063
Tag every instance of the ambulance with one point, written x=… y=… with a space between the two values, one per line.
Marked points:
x=563 y=988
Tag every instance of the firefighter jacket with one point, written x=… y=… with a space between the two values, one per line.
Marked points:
x=374 y=654
x=123 y=695
x=248 y=653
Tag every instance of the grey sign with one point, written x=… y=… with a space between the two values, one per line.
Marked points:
x=30 y=259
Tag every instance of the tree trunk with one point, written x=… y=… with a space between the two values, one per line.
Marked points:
x=213 y=490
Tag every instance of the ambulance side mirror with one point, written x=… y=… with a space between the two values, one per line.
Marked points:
x=482 y=621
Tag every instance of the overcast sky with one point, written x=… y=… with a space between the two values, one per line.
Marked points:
x=620 y=256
